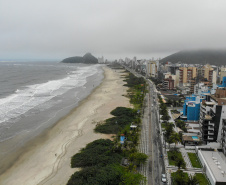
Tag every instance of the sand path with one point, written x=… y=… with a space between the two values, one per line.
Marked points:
x=48 y=159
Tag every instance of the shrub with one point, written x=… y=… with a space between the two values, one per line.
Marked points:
x=123 y=117
x=124 y=111
x=95 y=175
x=97 y=153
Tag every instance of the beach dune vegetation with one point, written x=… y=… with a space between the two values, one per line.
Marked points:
x=102 y=160
x=123 y=117
x=96 y=153
x=100 y=164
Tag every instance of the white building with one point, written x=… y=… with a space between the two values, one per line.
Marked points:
x=101 y=60
x=214 y=165
x=200 y=88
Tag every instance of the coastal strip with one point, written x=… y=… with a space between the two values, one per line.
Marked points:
x=47 y=161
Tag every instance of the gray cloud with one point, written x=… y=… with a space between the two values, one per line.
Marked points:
x=55 y=29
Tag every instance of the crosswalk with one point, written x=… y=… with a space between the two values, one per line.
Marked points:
x=193 y=170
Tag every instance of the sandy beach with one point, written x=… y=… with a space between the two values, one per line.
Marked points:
x=47 y=158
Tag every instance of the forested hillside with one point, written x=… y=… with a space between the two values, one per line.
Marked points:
x=215 y=57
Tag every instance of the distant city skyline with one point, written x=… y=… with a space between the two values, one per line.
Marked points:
x=54 y=30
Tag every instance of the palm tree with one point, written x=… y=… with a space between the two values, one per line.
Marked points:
x=165 y=117
x=175 y=137
x=192 y=180
x=179 y=178
x=168 y=133
x=180 y=163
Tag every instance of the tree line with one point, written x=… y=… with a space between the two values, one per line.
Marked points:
x=102 y=160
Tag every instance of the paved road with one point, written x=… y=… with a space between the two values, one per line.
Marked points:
x=156 y=167
x=150 y=141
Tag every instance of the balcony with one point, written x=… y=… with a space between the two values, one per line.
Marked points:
x=210 y=138
x=210 y=133
x=211 y=124
x=210 y=128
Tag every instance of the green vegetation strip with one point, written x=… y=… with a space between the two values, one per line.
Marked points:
x=101 y=165
x=179 y=176
x=202 y=179
x=123 y=117
x=194 y=160
x=175 y=159
x=111 y=162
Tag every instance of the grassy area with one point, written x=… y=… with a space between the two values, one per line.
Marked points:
x=172 y=156
x=182 y=177
x=202 y=179
x=194 y=160
x=186 y=174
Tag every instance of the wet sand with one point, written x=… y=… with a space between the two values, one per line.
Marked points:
x=47 y=159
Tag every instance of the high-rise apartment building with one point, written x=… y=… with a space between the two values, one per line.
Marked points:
x=207 y=73
x=152 y=68
x=212 y=116
x=168 y=83
x=186 y=74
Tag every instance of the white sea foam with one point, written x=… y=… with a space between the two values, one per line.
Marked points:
x=31 y=96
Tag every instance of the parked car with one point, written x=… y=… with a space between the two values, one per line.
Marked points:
x=163 y=177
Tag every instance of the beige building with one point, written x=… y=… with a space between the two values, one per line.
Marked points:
x=152 y=68
x=186 y=74
x=174 y=77
x=208 y=73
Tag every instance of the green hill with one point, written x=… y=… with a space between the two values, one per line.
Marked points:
x=88 y=58
x=214 y=57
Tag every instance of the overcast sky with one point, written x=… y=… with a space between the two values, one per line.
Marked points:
x=56 y=29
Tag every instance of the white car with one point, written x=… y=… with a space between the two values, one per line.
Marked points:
x=163 y=177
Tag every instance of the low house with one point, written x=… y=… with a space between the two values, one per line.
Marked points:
x=190 y=139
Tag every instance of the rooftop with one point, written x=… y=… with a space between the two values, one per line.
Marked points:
x=190 y=137
x=216 y=164
x=210 y=103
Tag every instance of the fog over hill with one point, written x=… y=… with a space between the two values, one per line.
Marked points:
x=214 y=57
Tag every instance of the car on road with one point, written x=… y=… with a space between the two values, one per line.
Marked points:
x=163 y=177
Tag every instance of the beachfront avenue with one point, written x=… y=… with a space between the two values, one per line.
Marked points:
x=150 y=141
x=156 y=165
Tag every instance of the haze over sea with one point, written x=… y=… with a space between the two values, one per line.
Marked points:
x=35 y=95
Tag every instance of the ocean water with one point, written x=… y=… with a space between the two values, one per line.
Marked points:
x=34 y=95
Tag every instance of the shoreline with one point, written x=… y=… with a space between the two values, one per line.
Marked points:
x=47 y=159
